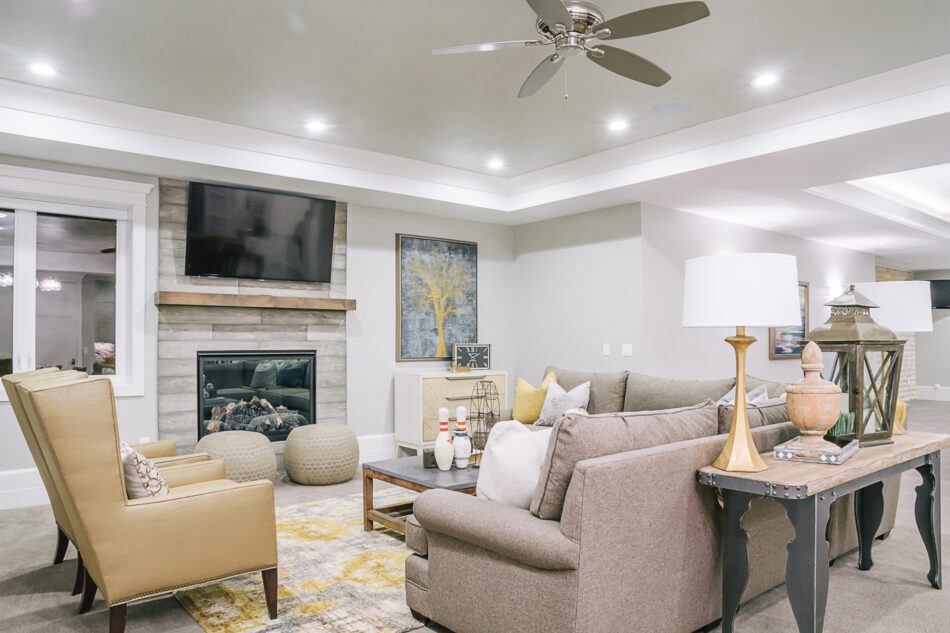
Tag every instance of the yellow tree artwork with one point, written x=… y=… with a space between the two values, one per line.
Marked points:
x=438 y=290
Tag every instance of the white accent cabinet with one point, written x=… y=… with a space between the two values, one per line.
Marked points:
x=420 y=395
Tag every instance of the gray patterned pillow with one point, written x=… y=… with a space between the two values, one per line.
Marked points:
x=557 y=402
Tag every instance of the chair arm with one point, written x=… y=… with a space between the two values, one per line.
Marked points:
x=180 y=460
x=161 y=448
x=184 y=474
x=192 y=535
x=511 y=532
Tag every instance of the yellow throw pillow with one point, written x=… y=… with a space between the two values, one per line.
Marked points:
x=529 y=399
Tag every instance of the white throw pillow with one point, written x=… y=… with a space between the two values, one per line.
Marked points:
x=754 y=396
x=557 y=402
x=142 y=478
x=511 y=464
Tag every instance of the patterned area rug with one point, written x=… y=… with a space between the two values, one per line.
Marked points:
x=332 y=578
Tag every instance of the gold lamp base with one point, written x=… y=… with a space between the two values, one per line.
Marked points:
x=740 y=454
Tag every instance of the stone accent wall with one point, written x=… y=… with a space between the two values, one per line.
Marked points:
x=185 y=330
x=908 y=387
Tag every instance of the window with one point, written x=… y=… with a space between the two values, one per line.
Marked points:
x=75 y=293
x=73 y=275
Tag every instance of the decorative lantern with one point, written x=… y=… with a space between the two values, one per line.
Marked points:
x=867 y=365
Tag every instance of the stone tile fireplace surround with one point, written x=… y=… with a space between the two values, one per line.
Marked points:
x=184 y=330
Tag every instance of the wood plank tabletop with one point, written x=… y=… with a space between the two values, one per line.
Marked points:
x=820 y=477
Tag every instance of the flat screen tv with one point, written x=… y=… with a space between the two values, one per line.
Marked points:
x=257 y=234
x=940 y=293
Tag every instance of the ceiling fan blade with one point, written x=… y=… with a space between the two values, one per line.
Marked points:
x=654 y=19
x=552 y=12
x=630 y=66
x=481 y=48
x=542 y=74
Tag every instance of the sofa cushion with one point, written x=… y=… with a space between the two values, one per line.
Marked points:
x=511 y=463
x=775 y=389
x=773 y=411
x=649 y=393
x=606 y=390
x=577 y=437
x=265 y=375
x=558 y=402
x=292 y=374
x=529 y=399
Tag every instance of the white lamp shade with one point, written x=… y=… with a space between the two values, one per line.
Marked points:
x=905 y=305
x=746 y=289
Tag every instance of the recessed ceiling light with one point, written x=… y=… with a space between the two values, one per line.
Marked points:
x=40 y=68
x=496 y=164
x=762 y=81
x=317 y=126
x=617 y=126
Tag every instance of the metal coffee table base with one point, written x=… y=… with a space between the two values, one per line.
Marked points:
x=806 y=574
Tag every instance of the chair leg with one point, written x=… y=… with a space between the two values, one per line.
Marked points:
x=89 y=590
x=61 y=544
x=117 y=618
x=80 y=575
x=270 y=591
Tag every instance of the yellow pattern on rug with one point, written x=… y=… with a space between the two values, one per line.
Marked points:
x=332 y=577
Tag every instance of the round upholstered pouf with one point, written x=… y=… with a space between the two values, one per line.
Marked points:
x=321 y=454
x=247 y=456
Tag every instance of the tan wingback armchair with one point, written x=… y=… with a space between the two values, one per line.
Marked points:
x=178 y=470
x=140 y=548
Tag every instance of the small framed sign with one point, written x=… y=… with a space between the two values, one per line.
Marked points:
x=473 y=355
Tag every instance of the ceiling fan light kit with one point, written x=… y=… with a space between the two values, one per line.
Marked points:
x=577 y=28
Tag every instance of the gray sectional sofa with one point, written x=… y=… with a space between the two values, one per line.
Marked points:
x=635 y=547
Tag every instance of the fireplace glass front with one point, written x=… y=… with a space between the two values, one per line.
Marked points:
x=267 y=392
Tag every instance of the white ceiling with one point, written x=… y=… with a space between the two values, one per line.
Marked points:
x=364 y=67
x=218 y=90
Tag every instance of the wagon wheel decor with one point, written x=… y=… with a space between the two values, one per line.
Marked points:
x=484 y=414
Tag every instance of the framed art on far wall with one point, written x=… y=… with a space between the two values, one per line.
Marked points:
x=436 y=296
x=785 y=342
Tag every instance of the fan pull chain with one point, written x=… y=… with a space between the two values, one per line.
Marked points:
x=565 y=81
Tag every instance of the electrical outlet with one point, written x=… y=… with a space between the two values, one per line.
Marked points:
x=606 y=350
x=626 y=349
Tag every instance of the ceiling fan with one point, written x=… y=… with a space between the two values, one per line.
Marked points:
x=574 y=27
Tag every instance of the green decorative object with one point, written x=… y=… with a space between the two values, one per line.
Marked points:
x=247 y=456
x=321 y=454
x=844 y=425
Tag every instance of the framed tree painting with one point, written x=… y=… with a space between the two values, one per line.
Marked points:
x=436 y=295
x=785 y=342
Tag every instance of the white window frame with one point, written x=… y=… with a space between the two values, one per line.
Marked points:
x=30 y=191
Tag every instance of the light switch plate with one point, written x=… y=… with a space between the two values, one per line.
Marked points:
x=606 y=350
x=626 y=349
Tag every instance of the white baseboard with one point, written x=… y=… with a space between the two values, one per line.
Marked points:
x=925 y=392
x=376 y=447
x=21 y=488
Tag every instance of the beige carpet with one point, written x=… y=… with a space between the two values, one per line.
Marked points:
x=333 y=577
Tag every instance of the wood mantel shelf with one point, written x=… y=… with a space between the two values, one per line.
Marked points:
x=212 y=300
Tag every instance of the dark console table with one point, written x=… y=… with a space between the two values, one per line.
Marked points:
x=807 y=492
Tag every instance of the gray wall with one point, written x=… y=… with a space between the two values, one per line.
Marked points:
x=578 y=286
x=933 y=348
x=670 y=238
x=371 y=280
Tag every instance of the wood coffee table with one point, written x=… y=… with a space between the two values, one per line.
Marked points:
x=407 y=472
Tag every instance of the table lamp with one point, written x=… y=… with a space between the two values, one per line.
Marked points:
x=741 y=290
x=903 y=306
